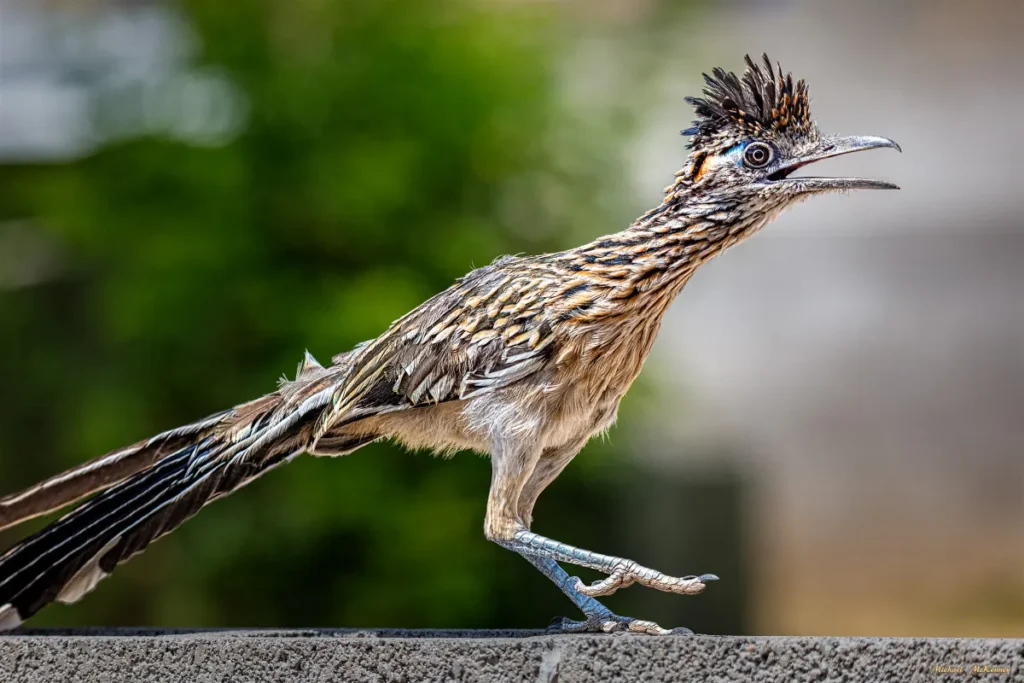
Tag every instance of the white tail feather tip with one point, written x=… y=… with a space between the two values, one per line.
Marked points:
x=86 y=578
x=9 y=617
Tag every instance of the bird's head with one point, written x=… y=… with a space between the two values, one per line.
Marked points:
x=754 y=131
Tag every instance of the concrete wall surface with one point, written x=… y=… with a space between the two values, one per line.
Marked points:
x=482 y=656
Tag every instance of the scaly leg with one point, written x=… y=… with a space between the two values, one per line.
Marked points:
x=621 y=572
x=599 y=618
x=505 y=526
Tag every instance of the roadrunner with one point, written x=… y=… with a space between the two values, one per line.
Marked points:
x=525 y=359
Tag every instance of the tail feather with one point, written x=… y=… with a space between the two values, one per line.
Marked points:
x=38 y=569
x=145 y=491
x=68 y=558
x=72 y=485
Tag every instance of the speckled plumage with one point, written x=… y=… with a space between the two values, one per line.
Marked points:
x=525 y=359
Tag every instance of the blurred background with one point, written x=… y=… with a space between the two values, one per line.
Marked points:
x=192 y=193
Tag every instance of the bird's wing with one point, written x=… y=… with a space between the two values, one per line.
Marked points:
x=489 y=330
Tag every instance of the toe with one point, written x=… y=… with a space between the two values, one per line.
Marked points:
x=565 y=625
x=613 y=623
x=558 y=624
x=606 y=586
x=648 y=627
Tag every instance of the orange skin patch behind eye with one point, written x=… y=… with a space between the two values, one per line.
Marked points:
x=702 y=166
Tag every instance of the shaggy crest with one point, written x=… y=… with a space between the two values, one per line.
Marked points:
x=763 y=100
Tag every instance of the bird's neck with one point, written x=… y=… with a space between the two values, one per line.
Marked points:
x=650 y=262
x=619 y=286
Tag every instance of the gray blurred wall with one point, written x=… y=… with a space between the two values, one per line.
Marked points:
x=864 y=357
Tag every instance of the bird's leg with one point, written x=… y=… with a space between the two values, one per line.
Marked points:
x=621 y=572
x=548 y=467
x=598 y=617
x=506 y=526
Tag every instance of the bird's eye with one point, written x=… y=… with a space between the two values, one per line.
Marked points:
x=757 y=155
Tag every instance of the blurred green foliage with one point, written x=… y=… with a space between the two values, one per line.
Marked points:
x=387 y=148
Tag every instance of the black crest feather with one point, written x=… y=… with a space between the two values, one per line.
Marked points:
x=762 y=100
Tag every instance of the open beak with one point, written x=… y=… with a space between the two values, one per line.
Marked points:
x=827 y=148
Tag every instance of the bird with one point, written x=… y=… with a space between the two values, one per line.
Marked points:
x=524 y=360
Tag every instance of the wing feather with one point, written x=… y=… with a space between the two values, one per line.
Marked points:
x=486 y=332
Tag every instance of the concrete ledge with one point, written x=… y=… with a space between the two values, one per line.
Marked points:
x=141 y=656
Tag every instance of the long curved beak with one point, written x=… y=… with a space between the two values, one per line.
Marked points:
x=828 y=147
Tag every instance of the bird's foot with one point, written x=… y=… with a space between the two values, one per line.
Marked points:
x=621 y=572
x=629 y=572
x=613 y=623
x=599 y=619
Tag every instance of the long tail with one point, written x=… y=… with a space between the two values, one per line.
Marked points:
x=78 y=482
x=147 y=490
